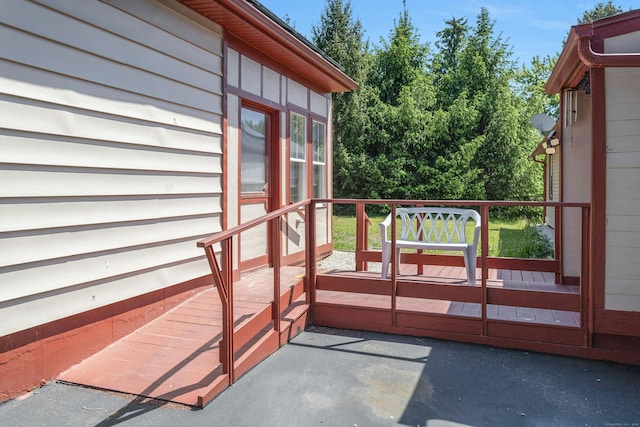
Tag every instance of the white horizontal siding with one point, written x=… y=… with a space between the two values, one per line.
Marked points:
x=622 y=302
x=622 y=263
x=110 y=153
x=175 y=21
x=623 y=239
x=31 y=247
x=623 y=184
x=623 y=207
x=26 y=214
x=92 y=267
x=18 y=114
x=51 y=151
x=125 y=38
x=66 y=182
x=622 y=270
x=23 y=81
x=40 y=309
x=31 y=50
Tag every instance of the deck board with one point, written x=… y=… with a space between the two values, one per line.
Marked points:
x=176 y=356
x=505 y=279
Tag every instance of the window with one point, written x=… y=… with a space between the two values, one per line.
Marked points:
x=298 y=157
x=319 y=161
x=253 y=172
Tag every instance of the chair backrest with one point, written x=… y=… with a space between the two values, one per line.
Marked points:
x=438 y=225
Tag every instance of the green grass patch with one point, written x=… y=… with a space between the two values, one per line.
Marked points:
x=512 y=238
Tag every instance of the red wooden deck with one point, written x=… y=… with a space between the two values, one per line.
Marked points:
x=452 y=276
x=176 y=356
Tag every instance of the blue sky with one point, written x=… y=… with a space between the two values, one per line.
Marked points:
x=531 y=27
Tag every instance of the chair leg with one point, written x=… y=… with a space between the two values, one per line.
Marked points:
x=470 y=263
x=386 y=258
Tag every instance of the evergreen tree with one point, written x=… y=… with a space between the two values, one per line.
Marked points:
x=341 y=37
x=451 y=40
x=530 y=82
x=600 y=10
x=399 y=61
x=453 y=128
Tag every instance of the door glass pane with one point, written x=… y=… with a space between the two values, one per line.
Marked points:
x=253 y=172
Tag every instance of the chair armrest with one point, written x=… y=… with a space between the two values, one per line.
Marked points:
x=384 y=227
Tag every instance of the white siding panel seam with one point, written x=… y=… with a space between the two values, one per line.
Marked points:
x=90 y=170
x=37 y=311
x=26 y=82
x=75 y=152
x=111 y=222
x=200 y=37
x=20 y=214
x=103 y=280
x=62 y=59
x=67 y=121
x=27 y=252
x=39 y=183
x=107 y=44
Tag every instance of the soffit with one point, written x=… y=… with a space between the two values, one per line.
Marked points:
x=570 y=68
x=252 y=26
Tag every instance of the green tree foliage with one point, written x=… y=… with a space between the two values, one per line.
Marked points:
x=450 y=43
x=448 y=124
x=341 y=37
x=400 y=61
x=599 y=11
x=530 y=82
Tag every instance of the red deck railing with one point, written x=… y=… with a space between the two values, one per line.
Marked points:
x=221 y=264
x=222 y=272
x=486 y=329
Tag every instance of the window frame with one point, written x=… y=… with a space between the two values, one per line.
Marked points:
x=316 y=161
x=300 y=158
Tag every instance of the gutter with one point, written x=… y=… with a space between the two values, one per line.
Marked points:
x=601 y=60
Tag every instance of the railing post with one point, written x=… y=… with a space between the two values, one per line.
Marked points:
x=395 y=265
x=557 y=242
x=484 y=251
x=586 y=288
x=420 y=265
x=276 y=257
x=310 y=262
x=361 y=236
x=226 y=294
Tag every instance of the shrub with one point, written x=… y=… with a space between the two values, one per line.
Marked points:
x=535 y=244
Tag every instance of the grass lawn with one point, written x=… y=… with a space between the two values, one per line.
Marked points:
x=507 y=238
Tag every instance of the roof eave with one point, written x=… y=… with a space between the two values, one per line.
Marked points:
x=251 y=23
x=567 y=66
x=579 y=55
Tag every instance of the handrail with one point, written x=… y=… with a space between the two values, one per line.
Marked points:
x=225 y=234
x=222 y=264
x=484 y=207
x=455 y=202
x=222 y=274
